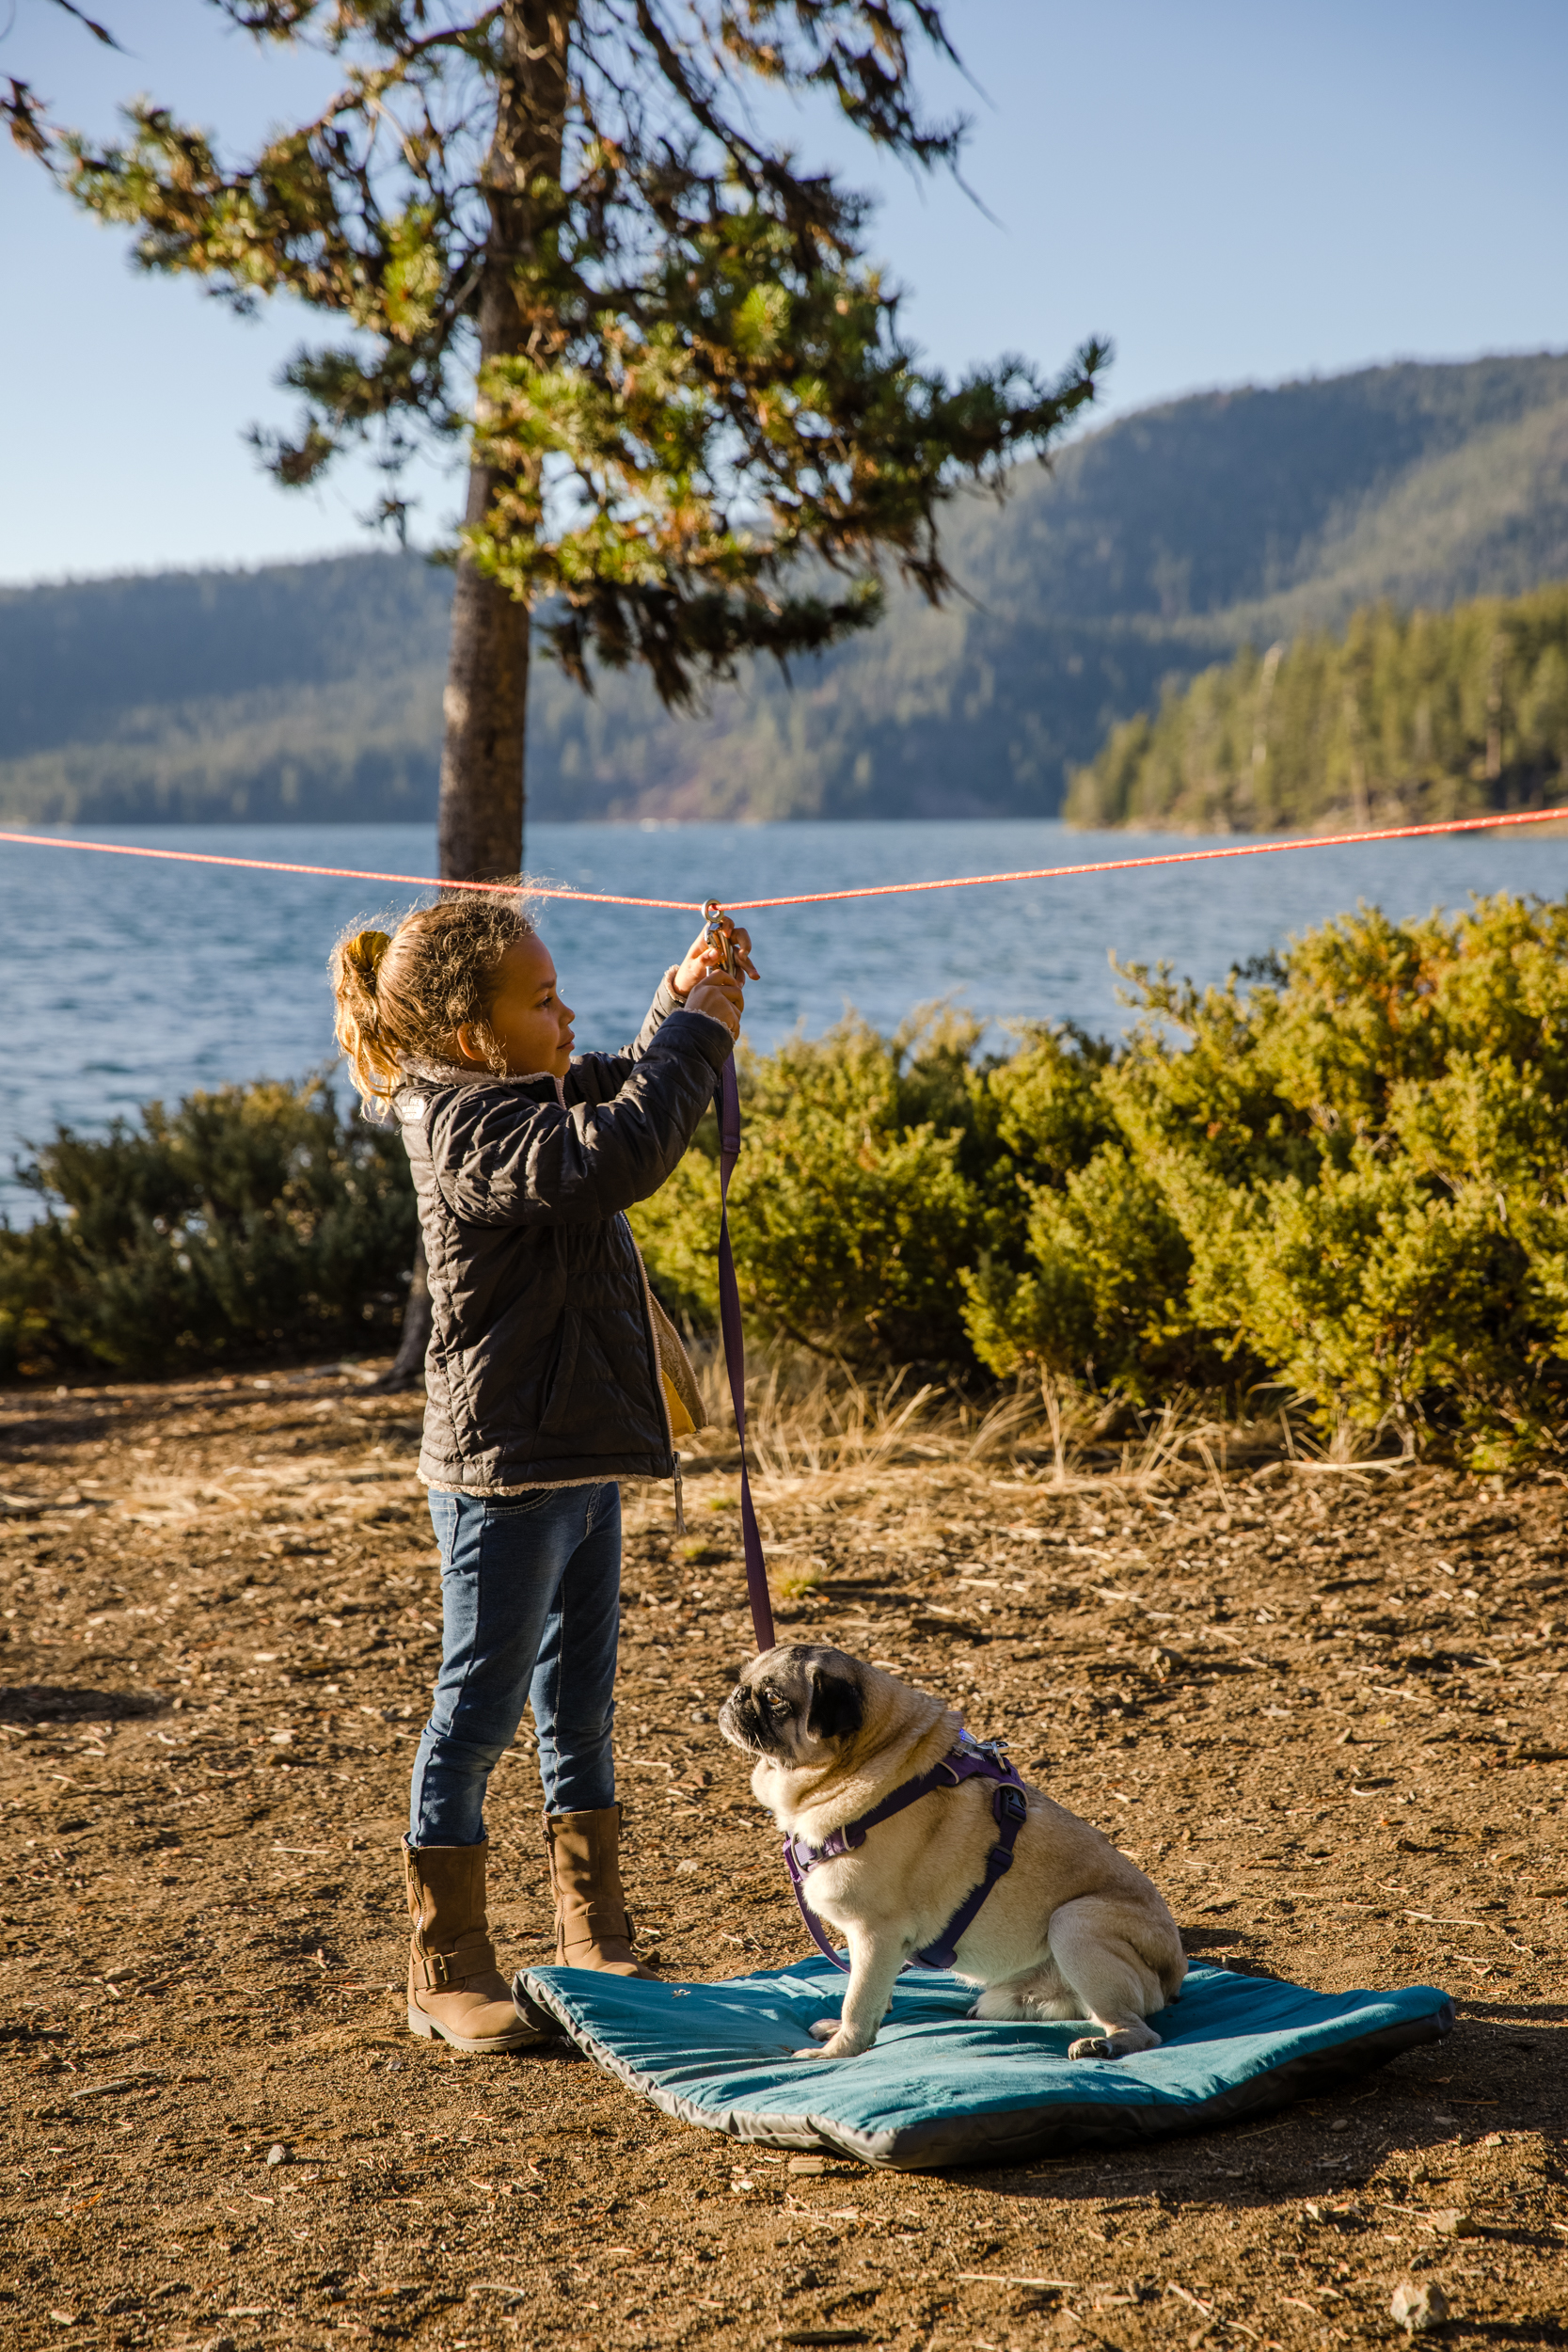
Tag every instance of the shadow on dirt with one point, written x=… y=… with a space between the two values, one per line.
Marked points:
x=1518 y=2013
x=55 y=1703
x=1530 y=2332
x=1235 y=1948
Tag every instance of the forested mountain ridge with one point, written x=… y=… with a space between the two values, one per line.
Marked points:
x=1156 y=546
x=1402 y=719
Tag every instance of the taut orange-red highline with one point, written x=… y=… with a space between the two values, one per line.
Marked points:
x=1496 y=823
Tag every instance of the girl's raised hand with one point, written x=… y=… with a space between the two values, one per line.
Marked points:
x=721 y=996
x=702 y=958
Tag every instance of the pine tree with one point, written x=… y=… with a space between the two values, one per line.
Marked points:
x=552 y=230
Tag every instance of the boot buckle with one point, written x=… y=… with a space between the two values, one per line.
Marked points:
x=443 y=1971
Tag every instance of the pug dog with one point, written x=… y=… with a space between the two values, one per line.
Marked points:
x=1073 y=1928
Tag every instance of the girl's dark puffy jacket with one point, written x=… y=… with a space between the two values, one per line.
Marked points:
x=543 y=1366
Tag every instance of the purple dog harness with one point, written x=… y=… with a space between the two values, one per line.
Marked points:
x=972 y=1759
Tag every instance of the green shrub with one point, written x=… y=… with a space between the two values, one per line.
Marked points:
x=1344 y=1174
x=248 y=1220
x=1104 y=1300
x=853 y=1204
x=1369 y=1163
x=1085 y=1271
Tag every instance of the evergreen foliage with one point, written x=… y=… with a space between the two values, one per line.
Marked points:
x=1399 y=721
x=1347 y=1182
x=861 y=1190
x=1344 y=1181
x=248 y=1221
x=558 y=233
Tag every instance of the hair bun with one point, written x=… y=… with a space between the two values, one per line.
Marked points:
x=365 y=951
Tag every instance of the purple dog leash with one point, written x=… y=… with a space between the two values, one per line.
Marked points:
x=729 y=1315
x=972 y=1759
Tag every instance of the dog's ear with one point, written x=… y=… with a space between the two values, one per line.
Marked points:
x=837 y=1709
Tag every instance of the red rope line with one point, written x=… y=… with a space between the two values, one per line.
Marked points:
x=1494 y=824
x=341 y=873
x=1173 y=857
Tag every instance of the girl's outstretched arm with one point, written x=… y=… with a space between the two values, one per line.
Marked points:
x=503 y=1157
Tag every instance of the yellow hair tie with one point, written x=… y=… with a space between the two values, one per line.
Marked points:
x=365 y=951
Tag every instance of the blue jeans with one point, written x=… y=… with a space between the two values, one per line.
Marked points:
x=530 y=1613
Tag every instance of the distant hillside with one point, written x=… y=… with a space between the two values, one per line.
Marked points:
x=1165 y=541
x=1402 y=718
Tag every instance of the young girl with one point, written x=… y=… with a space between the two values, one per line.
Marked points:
x=551 y=1374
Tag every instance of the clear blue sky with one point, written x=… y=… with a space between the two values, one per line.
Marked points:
x=1235 y=190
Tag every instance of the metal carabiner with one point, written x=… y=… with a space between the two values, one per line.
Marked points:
x=720 y=932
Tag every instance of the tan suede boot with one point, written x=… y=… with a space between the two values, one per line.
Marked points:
x=593 y=1927
x=455 y=1990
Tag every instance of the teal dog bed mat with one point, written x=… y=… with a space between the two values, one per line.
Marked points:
x=941 y=2088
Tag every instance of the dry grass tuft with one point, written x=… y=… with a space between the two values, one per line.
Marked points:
x=808 y=1416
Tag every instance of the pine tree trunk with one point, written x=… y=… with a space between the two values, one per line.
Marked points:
x=407 y=1368
x=479 y=827
x=479 y=823
x=481 y=820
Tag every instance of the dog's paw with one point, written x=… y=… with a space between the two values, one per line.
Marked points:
x=839 y=2046
x=823 y=2030
x=1121 y=2042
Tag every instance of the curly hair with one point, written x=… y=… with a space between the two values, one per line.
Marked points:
x=407 y=992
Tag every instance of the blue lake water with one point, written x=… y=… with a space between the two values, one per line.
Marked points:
x=124 y=978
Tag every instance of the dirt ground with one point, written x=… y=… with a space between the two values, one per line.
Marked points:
x=1321 y=1710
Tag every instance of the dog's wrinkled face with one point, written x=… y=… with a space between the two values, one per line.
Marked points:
x=799 y=1704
